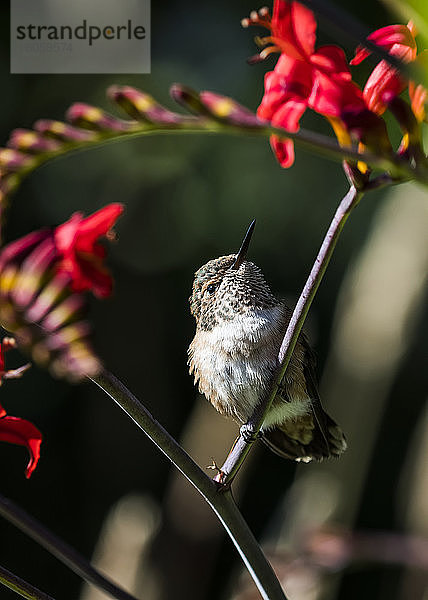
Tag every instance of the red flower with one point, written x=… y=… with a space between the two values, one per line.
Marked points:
x=23 y=433
x=385 y=81
x=81 y=256
x=13 y=429
x=302 y=78
x=42 y=276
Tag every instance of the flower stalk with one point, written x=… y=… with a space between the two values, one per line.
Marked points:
x=215 y=114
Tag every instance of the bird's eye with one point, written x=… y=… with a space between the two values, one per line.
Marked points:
x=211 y=288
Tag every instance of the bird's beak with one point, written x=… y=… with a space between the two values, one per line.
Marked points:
x=240 y=257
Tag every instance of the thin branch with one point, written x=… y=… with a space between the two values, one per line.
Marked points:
x=248 y=548
x=220 y=501
x=243 y=444
x=91 y=127
x=308 y=140
x=20 y=586
x=65 y=553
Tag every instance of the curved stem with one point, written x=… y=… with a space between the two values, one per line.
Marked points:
x=20 y=586
x=154 y=430
x=243 y=444
x=219 y=500
x=65 y=553
x=311 y=141
x=307 y=140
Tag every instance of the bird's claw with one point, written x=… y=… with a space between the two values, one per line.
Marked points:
x=220 y=474
x=248 y=435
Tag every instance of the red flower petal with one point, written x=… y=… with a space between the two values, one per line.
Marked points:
x=293 y=28
x=23 y=433
x=98 y=225
x=285 y=101
x=387 y=38
x=287 y=116
x=283 y=150
x=291 y=80
x=332 y=59
x=332 y=96
x=383 y=82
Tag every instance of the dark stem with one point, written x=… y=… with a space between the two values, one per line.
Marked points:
x=243 y=444
x=220 y=501
x=248 y=548
x=20 y=586
x=65 y=553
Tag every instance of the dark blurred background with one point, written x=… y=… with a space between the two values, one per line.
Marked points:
x=101 y=484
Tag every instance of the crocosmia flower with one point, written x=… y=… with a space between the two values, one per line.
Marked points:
x=81 y=255
x=13 y=429
x=42 y=279
x=303 y=77
x=385 y=82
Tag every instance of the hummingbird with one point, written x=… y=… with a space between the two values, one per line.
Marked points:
x=234 y=355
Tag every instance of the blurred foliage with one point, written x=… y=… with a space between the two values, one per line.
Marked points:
x=187 y=200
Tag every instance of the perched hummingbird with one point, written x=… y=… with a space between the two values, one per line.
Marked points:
x=239 y=329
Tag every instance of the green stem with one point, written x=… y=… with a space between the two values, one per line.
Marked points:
x=243 y=444
x=65 y=553
x=221 y=502
x=21 y=587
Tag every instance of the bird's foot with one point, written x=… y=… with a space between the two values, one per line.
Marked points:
x=214 y=466
x=220 y=476
x=248 y=434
